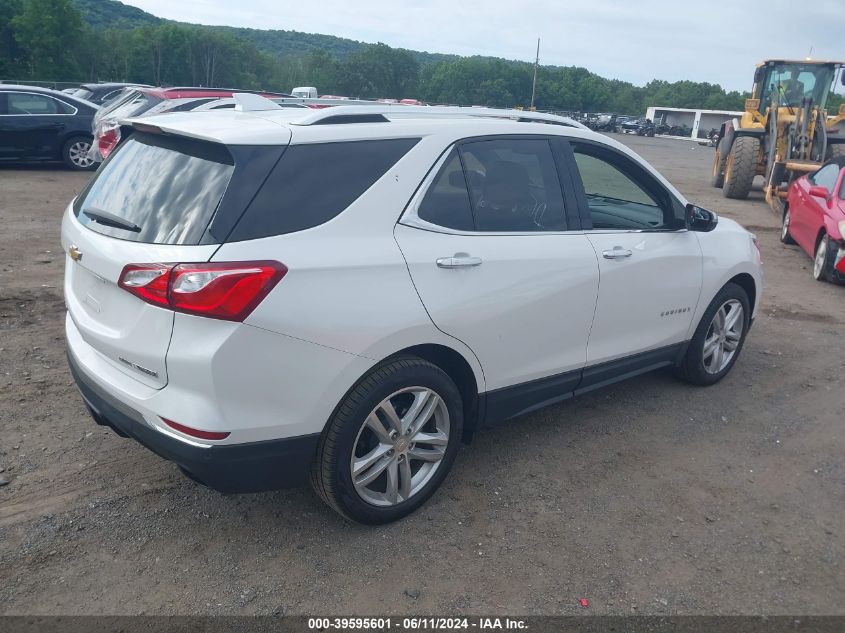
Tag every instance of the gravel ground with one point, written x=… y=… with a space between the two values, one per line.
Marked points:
x=649 y=497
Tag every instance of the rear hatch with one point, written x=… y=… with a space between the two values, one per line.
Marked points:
x=151 y=202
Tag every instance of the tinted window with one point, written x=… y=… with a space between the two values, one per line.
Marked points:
x=27 y=103
x=130 y=106
x=513 y=185
x=446 y=203
x=168 y=188
x=311 y=184
x=826 y=177
x=618 y=193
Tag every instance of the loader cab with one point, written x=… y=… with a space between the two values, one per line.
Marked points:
x=790 y=82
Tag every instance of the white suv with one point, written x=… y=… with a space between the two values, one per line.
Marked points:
x=258 y=295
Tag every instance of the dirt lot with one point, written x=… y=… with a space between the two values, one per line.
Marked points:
x=648 y=497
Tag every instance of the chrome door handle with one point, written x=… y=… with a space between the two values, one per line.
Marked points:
x=617 y=253
x=458 y=260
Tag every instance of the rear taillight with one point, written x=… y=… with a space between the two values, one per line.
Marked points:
x=219 y=290
x=108 y=136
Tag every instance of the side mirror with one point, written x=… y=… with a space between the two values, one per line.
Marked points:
x=699 y=219
x=818 y=191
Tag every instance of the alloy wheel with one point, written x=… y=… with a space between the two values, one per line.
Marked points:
x=820 y=259
x=723 y=336
x=400 y=446
x=78 y=154
x=784 y=231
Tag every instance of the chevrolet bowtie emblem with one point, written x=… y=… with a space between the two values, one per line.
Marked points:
x=74 y=252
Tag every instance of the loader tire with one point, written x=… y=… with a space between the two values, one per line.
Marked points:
x=717 y=178
x=741 y=167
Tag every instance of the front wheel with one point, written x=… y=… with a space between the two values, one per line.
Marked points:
x=824 y=262
x=75 y=154
x=741 y=167
x=719 y=337
x=717 y=177
x=390 y=443
x=785 y=237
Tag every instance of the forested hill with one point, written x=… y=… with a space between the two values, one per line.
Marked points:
x=104 y=14
x=105 y=40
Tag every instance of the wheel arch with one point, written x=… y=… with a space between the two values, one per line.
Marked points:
x=747 y=283
x=460 y=371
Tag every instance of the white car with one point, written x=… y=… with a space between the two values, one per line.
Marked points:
x=263 y=294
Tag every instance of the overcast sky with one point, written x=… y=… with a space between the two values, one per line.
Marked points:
x=718 y=41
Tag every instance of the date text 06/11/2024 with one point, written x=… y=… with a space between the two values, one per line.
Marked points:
x=415 y=624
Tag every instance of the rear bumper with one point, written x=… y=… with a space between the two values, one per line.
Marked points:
x=249 y=467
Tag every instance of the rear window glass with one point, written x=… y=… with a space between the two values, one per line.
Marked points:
x=312 y=184
x=157 y=190
x=129 y=106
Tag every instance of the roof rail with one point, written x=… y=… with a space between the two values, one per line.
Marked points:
x=380 y=113
x=250 y=102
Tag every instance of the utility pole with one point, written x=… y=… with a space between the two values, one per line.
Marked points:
x=534 y=83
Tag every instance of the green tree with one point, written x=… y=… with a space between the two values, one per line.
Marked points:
x=10 y=50
x=379 y=71
x=48 y=32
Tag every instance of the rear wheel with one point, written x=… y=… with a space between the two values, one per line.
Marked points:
x=390 y=443
x=785 y=237
x=75 y=154
x=741 y=167
x=719 y=337
x=717 y=177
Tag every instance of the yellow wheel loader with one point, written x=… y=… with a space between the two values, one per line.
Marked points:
x=784 y=132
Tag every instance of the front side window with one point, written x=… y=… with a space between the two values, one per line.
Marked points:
x=826 y=177
x=27 y=103
x=617 y=195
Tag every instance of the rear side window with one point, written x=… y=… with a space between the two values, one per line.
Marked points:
x=28 y=103
x=514 y=185
x=447 y=202
x=157 y=190
x=311 y=184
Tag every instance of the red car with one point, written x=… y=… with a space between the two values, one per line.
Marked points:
x=815 y=219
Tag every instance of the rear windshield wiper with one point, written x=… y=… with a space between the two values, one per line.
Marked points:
x=110 y=219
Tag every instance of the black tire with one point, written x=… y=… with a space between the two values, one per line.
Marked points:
x=74 y=154
x=825 y=270
x=785 y=237
x=692 y=367
x=331 y=474
x=717 y=177
x=741 y=167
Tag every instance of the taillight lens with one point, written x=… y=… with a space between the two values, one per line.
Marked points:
x=219 y=290
x=147 y=281
x=108 y=136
